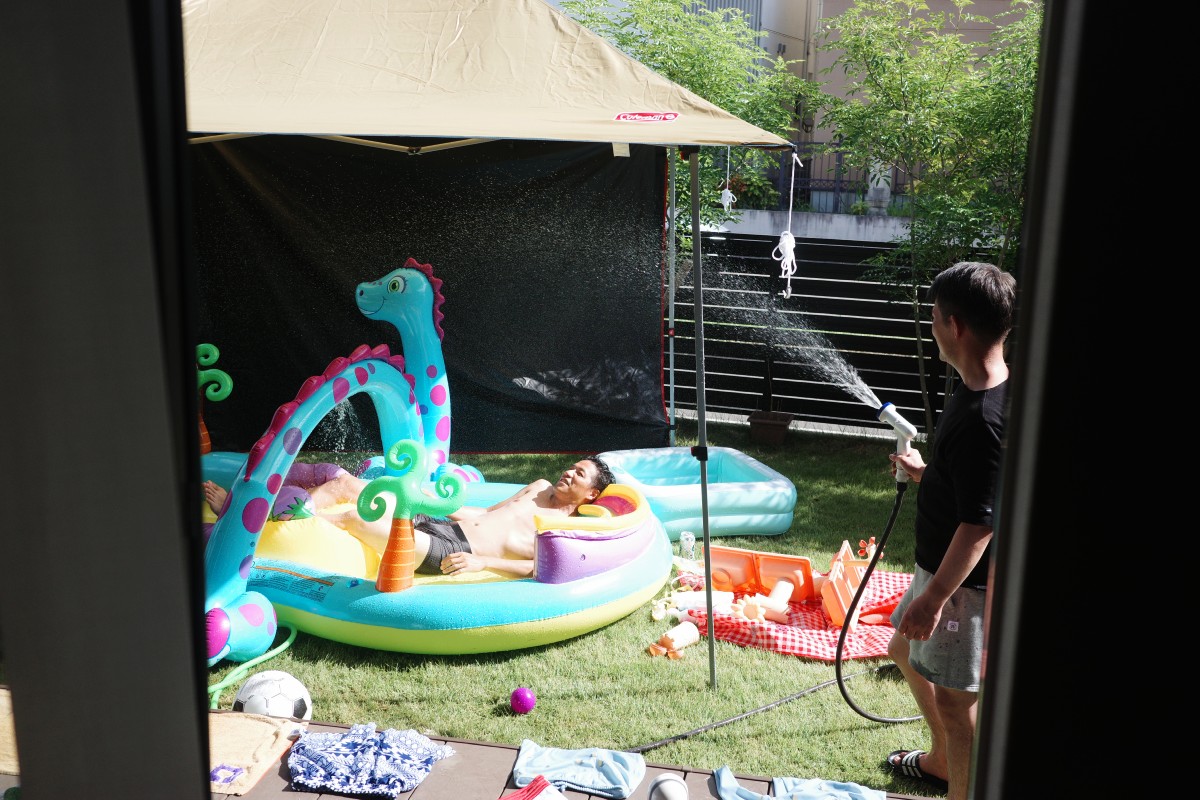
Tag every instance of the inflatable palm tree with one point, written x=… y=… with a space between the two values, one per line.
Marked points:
x=406 y=459
x=219 y=385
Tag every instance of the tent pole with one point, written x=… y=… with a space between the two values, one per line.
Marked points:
x=671 y=154
x=700 y=451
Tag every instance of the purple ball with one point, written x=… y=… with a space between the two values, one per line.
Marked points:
x=522 y=700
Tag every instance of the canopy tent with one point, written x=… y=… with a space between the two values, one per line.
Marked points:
x=437 y=74
x=446 y=69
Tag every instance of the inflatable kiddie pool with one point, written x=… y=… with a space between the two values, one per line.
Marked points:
x=308 y=574
x=745 y=496
x=591 y=570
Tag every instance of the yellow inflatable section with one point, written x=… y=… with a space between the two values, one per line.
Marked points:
x=314 y=542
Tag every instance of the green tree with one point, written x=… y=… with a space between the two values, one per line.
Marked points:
x=714 y=55
x=952 y=115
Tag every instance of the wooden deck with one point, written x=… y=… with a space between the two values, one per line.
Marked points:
x=480 y=771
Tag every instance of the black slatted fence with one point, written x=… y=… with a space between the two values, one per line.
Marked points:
x=836 y=347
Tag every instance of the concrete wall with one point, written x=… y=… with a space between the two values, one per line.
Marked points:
x=788 y=25
x=808 y=225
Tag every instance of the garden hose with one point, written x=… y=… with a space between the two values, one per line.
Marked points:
x=901 y=487
x=643 y=748
x=237 y=674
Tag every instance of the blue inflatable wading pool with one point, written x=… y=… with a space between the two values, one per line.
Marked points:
x=745 y=496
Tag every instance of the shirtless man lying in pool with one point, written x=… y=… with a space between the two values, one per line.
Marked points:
x=500 y=537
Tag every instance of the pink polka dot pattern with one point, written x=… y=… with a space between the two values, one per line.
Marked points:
x=341 y=389
x=252 y=613
x=438 y=395
x=361 y=376
x=274 y=481
x=255 y=514
x=431 y=371
x=443 y=429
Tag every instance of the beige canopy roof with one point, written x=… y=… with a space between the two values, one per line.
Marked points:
x=447 y=69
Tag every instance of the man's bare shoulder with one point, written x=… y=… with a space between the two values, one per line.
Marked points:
x=537 y=487
x=541 y=494
x=531 y=491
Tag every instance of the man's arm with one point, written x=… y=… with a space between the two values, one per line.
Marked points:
x=470 y=562
x=965 y=550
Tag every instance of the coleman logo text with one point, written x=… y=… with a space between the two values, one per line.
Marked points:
x=647 y=116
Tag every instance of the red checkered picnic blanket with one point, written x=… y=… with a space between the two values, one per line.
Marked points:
x=809 y=632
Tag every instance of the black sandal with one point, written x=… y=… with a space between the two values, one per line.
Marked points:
x=908 y=764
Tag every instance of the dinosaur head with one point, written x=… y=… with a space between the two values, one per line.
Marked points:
x=410 y=293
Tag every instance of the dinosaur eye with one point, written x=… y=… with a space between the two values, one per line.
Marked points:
x=396 y=285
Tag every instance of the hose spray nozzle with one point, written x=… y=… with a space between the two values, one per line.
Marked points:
x=904 y=434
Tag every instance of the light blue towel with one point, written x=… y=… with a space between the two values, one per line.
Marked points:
x=794 y=789
x=608 y=773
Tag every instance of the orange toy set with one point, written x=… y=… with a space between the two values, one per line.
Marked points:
x=766 y=582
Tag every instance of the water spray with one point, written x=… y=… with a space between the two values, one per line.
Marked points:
x=904 y=434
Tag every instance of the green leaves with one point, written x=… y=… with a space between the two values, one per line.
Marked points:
x=407 y=459
x=714 y=54
x=925 y=93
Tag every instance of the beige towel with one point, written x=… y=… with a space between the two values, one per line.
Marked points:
x=8 y=736
x=244 y=747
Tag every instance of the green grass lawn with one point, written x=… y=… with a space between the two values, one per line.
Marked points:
x=603 y=690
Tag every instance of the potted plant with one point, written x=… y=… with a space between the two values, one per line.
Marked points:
x=767 y=425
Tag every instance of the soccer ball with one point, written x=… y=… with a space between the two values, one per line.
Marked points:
x=274 y=693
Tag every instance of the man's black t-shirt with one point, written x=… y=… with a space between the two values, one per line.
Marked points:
x=959 y=483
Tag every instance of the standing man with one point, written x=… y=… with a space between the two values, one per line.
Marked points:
x=939 y=622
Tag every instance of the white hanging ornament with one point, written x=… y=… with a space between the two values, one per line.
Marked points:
x=785 y=254
x=785 y=251
x=727 y=198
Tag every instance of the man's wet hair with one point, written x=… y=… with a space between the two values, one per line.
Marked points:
x=604 y=475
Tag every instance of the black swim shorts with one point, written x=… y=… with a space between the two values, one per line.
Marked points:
x=445 y=537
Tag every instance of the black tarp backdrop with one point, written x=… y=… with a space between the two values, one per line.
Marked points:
x=551 y=257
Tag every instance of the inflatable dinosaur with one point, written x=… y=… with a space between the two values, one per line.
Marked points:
x=412 y=401
x=410 y=298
